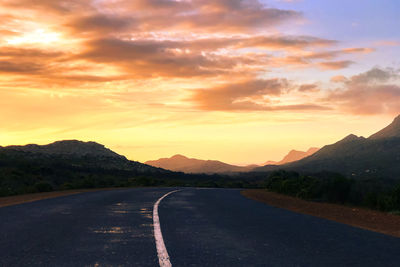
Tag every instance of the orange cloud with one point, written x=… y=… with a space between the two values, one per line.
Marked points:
x=25 y=61
x=336 y=53
x=58 y=6
x=338 y=79
x=373 y=92
x=284 y=42
x=155 y=15
x=100 y=24
x=250 y=95
x=154 y=58
x=113 y=43
x=310 y=58
x=308 y=88
x=387 y=43
x=159 y=38
x=362 y=50
x=39 y=68
x=207 y=15
x=335 y=65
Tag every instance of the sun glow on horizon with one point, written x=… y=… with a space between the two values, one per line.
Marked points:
x=237 y=81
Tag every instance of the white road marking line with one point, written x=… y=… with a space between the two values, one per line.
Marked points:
x=162 y=253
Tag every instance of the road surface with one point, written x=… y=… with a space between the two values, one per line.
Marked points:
x=200 y=227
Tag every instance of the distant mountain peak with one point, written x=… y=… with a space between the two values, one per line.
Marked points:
x=392 y=130
x=179 y=156
x=312 y=150
x=191 y=165
x=350 y=137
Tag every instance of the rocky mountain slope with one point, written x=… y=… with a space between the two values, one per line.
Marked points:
x=294 y=155
x=377 y=156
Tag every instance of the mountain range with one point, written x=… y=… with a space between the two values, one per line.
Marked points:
x=377 y=156
x=190 y=165
x=75 y=164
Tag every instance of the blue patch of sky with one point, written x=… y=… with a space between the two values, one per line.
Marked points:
x=354 y=23
x=347 y=19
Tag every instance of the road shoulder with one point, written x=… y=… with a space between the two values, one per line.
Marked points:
x=20 y=199
x=359 y=217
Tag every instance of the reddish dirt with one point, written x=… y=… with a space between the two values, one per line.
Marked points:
x=14 y=200
x=359 y=217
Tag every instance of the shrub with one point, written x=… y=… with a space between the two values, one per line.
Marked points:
x=43 y=187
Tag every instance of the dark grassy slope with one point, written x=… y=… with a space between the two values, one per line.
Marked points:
x=75 y=164
x=356 y=157
x=356 y=170
x=66 y=165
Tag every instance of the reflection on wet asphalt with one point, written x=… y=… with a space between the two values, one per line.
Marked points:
x=105 y=228
x=220 y=227
x=200 y=227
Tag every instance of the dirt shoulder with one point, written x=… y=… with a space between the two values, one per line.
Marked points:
x=359 y=217
x=19 y=199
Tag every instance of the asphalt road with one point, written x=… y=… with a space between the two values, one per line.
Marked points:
x=200 y=227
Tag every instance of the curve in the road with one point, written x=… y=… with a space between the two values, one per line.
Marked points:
x=162 y=253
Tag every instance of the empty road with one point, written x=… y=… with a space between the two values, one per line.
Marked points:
x=200 y=227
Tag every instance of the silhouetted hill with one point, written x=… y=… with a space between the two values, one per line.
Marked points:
x=375 y=157
x=393 y=130
x=69 y=147
x=74 y=164
x=190 y=165
x=294 y=155
x=68 y=164
x=76 y=153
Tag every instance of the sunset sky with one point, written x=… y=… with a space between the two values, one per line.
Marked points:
x=241 y=81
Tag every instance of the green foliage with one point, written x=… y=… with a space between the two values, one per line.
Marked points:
x=24 y=172
x=43 y=187
x=335 y=188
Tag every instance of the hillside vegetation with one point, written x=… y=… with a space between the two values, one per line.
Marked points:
x=75 y=164
x=336 y=188
x=355 y=171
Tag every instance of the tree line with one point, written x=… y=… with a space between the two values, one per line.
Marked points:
x=372 y=193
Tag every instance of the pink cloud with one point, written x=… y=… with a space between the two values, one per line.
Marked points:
x=373 y=92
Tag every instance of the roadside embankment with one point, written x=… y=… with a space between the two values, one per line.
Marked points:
x=359 y=217
x=19 y=199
